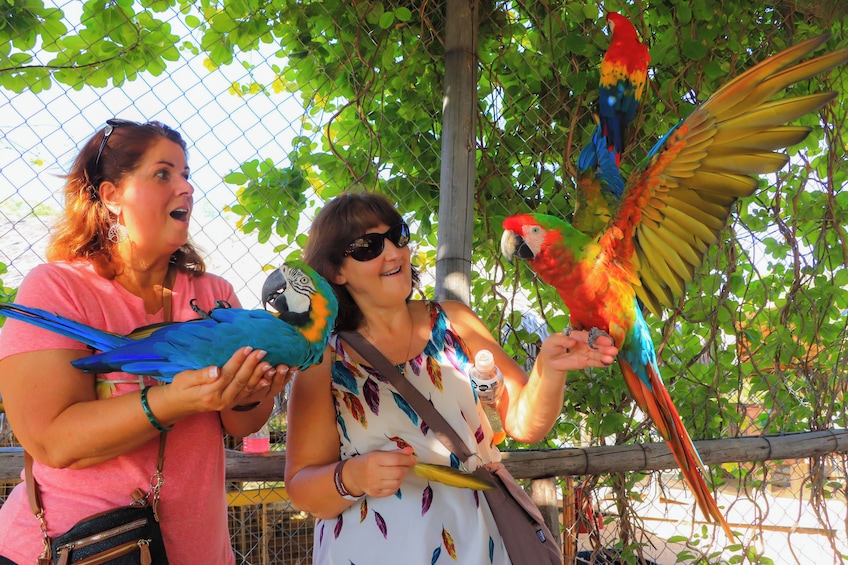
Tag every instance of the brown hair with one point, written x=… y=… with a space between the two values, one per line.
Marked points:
x=82 y=232
x=339 y=222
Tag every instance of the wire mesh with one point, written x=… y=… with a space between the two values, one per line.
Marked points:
x=267 y=146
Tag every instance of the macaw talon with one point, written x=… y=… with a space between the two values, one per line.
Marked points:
x=198 y=310
x=566 y=331
x=594 y=334
x=222 y=304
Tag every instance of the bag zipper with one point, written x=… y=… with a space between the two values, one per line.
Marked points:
x=100 y=536
x=142 y=545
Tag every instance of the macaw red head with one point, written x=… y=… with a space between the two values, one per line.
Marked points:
x=621 y=27
x=529 y=235
x=522 y=237
x=626 y=50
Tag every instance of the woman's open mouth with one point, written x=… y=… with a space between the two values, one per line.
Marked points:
x=181 y=214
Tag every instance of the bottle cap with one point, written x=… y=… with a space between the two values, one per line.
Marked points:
x=484 y=361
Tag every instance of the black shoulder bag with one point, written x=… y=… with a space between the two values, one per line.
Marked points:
x=527 y=539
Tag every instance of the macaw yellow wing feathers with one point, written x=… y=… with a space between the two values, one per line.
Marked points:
x=762 y=81
x=450 y=476
x=772 y=139
x=690 y=180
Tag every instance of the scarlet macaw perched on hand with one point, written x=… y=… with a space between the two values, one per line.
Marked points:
x=295 y=337
x=673 y=208
x=624 y=70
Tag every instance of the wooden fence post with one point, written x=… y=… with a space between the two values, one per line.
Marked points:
x=544 y=494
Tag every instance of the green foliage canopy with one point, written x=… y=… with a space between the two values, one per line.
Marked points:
x=764 y=322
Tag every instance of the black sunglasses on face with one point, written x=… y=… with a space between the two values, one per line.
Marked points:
x=370 y=245
x=107 y=132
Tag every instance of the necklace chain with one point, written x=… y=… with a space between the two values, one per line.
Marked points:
x=400 y=365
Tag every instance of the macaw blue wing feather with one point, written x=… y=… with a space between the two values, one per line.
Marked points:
x=202 y=343
x=603 y=160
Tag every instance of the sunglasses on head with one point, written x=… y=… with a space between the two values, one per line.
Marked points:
x=107 y=132
x=370 y=245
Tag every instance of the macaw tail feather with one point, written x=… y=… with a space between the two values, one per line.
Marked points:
x=450 y=476
x=653 y=398
x=92 y=337
x=597 y=155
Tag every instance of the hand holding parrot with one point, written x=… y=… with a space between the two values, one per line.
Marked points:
x=576 y=350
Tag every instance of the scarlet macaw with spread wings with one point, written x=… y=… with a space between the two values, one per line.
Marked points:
x=672 y=209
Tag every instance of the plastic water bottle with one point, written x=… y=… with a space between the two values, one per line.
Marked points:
x=487 y=380
x=259 y=441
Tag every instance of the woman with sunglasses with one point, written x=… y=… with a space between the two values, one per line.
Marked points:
x=351 y=439
x=119 y=259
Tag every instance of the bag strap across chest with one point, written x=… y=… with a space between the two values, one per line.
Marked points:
x=423 y=407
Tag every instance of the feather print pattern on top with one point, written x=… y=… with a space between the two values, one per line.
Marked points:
x=423 y=505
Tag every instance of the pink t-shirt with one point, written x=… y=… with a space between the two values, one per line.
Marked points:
x=193 y=506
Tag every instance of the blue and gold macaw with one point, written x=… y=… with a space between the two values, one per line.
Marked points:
x=673 y=208
x=295 y=336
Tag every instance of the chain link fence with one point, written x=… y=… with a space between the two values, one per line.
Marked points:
x=251 y=125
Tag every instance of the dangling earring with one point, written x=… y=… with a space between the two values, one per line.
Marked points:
x=118 y=232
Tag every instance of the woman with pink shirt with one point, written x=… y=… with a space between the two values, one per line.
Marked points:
x=120 y=259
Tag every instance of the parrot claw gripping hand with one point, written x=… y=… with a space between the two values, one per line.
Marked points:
x=594 y=334
x=296 y=336
x=674 y=205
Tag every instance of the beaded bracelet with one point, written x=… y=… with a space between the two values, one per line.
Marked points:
x=340 y=488
x=151 y=418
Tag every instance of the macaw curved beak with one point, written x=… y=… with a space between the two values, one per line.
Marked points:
x=272 y=291
x=513 y=245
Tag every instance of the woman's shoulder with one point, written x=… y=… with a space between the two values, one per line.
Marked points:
x=454 y=309
x=74 y=270
x=210 y=281
x=63 y=277
x=461 y=318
